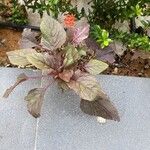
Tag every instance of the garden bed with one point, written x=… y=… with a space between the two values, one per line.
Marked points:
x=138 y=67
x=9 y=38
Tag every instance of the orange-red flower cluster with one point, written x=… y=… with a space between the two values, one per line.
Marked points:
x=69 y=20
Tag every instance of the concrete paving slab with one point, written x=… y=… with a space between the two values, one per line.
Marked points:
x=63 y=126
x=17 y=127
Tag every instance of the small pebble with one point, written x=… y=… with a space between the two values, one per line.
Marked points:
x=146 y=66
x=115 y=70
x=3 y=41
x=29 y=66
x=101 y=120
x=8 y=65
x=140 y=74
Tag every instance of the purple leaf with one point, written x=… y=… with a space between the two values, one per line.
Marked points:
x=35 y=99
x=28 y=39
x=106 y=54
x=101 y=106
x=85 y=86
x=54 y=60
x=53 y=33
x=50 y=60
x=66 y=75
x=21 y=78
x=80 y=34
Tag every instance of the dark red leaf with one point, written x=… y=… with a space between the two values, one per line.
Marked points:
x=101 y=106
x=35 y=99
x=21 y=78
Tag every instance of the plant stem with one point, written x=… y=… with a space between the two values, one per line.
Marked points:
x=37 y=77
x=48 y=85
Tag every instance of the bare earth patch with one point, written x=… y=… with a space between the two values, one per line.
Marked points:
x=127 y=66
x=8 y=42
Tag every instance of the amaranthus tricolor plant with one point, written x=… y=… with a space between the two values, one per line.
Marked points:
x=63 y=55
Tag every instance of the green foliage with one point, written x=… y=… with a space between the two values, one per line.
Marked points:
x=102 y=17
x=18 y=14
x=3 y=6
x=107 y=12
x=134 y=11
x=53 y=7
x=101 y=36
x=132 y=40
x=139 y=41
x=3 y=9
x=146 y=23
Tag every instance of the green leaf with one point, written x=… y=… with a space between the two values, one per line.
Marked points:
x=37 y=59
x=82 y=52
x=55 y=2
x=53 y=33
x=85 y=86
x=21 y=78
x=71 y=55
x=95 y=67
x=105 y=34
x=106 y=43
x=101 y=36
x=109 y=40
x=18 y=57
x=35 y=99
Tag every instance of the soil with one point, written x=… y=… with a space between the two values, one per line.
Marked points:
x=125 y=65
x=8 y=42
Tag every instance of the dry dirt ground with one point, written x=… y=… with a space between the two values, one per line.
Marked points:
x=8 y=42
